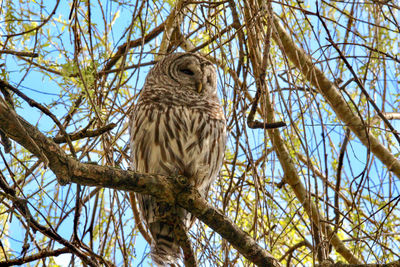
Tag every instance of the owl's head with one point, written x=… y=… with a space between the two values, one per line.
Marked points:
x=185 y=71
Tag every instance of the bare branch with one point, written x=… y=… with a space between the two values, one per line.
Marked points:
x=19 y=53
x=40 y=255
x=85 y=133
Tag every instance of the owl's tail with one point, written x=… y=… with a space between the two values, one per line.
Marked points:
x=165 y=249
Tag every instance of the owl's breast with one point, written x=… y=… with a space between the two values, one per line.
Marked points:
x=181 y=140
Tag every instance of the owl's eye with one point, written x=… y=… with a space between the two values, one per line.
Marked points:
x=187 y=71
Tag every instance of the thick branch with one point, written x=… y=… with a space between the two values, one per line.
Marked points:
x=67 y=169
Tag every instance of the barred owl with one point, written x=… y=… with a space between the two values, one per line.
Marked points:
x=177 y=128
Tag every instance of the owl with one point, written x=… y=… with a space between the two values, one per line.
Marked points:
x=177 y=128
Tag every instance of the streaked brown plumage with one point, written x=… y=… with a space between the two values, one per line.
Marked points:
x=177 y=127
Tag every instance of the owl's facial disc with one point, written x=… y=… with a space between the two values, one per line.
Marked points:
x=193 y=73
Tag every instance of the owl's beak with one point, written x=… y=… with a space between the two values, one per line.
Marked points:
x=199 y=87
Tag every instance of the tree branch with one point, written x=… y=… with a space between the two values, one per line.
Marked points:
x=19 y=53
x=85 y=133
x=22 y=206
x=134 y=43
x=331 y=93
x=291 y=173
x=168 y=189
x=42 y=254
